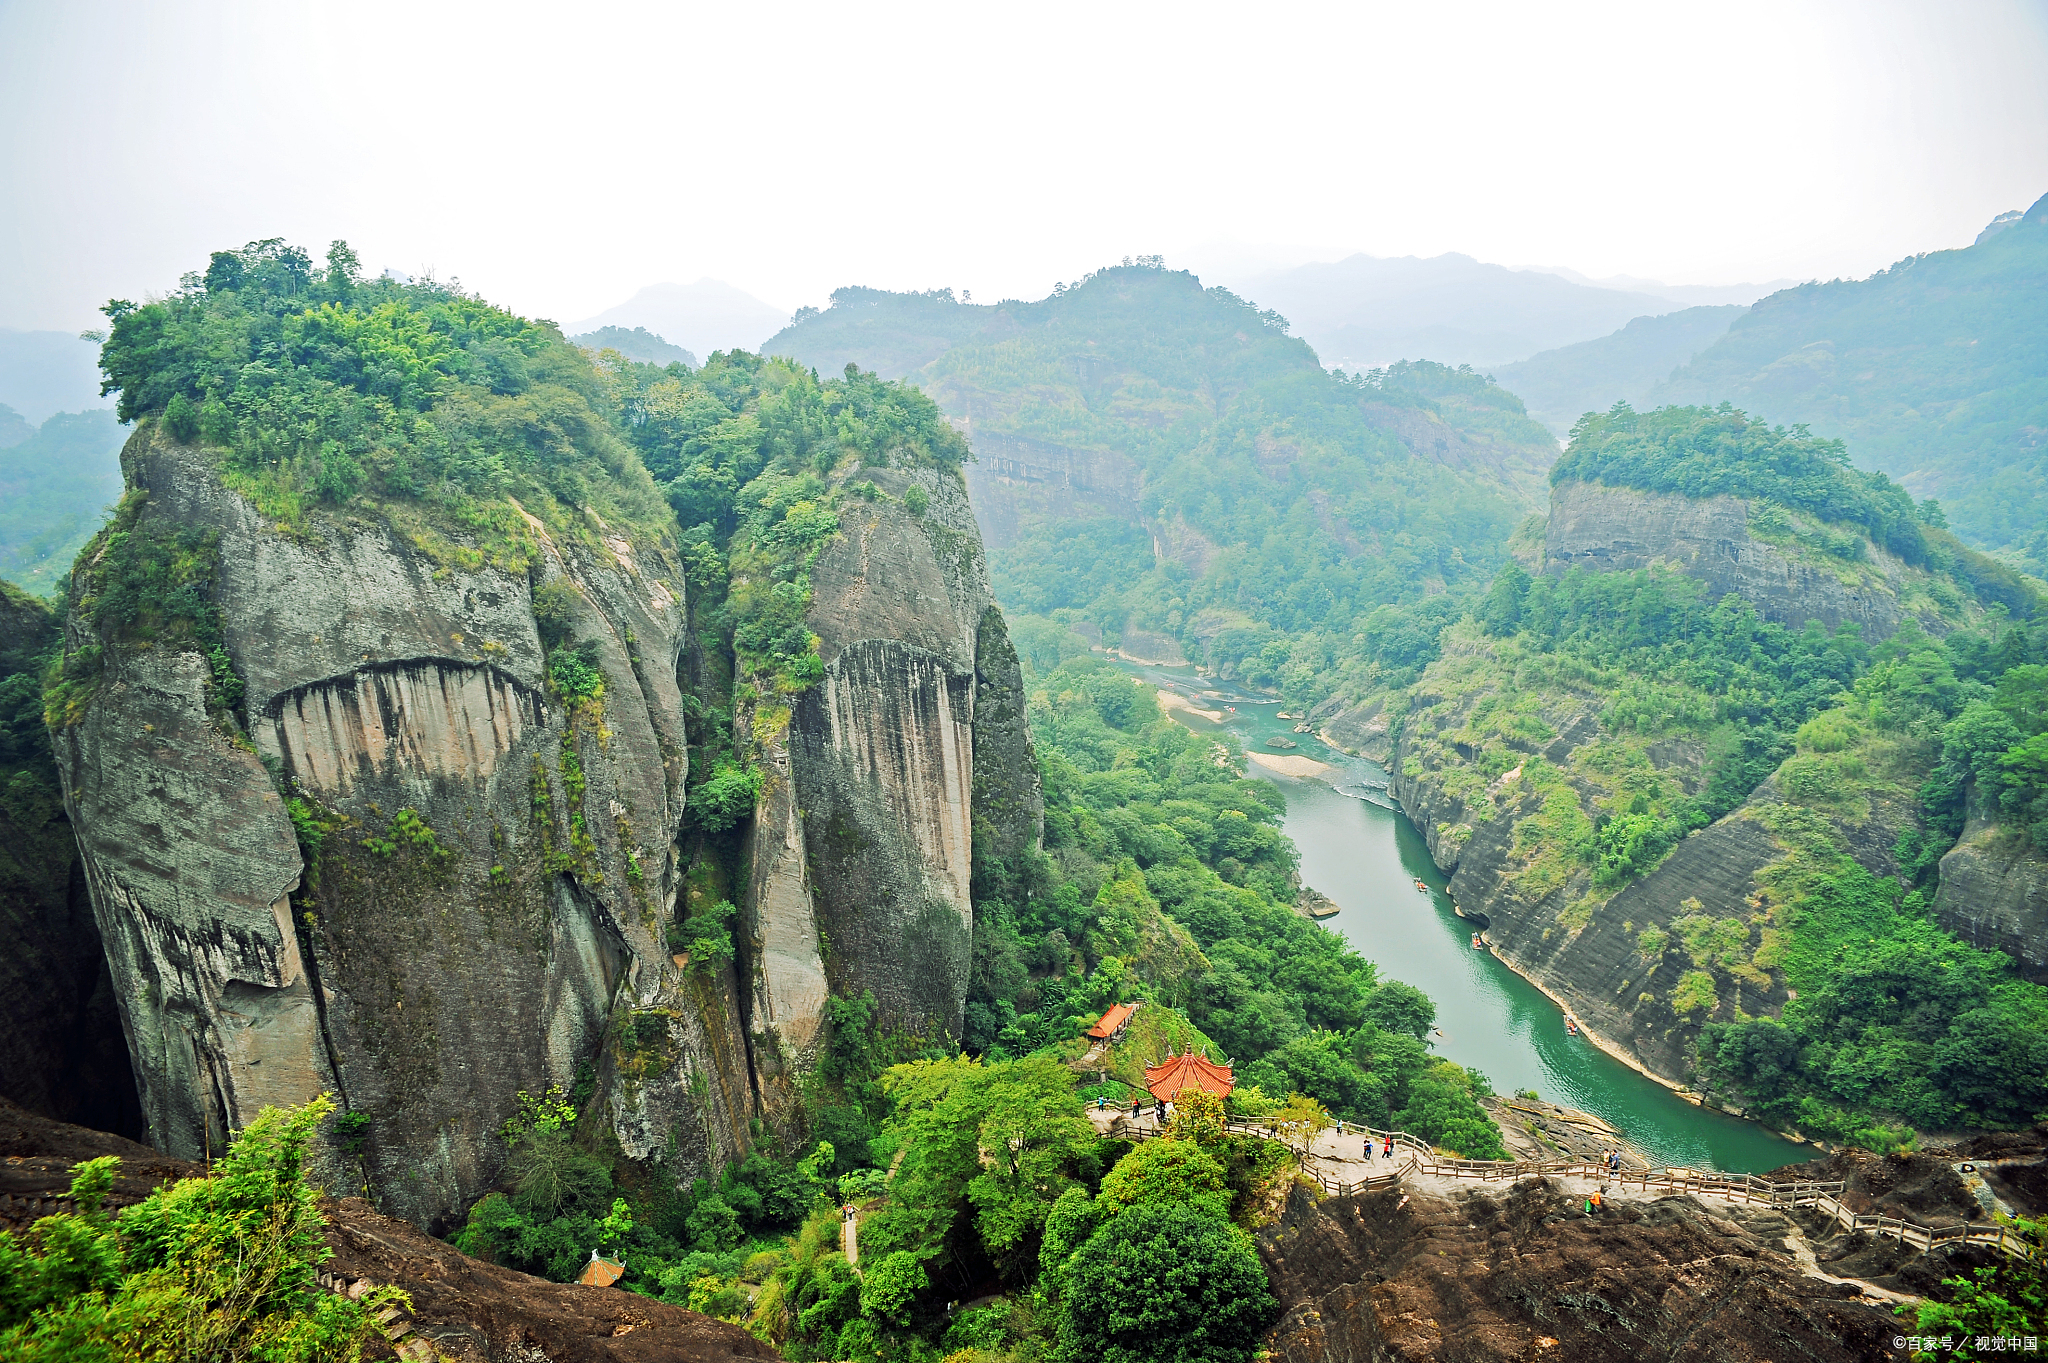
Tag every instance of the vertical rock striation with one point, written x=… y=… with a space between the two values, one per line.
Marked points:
x=425 y=876
x=1709 y=539
x=494 y=869
x=888 y=776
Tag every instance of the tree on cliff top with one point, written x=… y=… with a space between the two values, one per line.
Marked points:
x=313 y=388
x=1711 y=452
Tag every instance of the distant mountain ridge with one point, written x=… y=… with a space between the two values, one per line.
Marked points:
x=703 y=318
x=55 y=487
x=1692 y=295
x=1364 y=312
x=46 y=372
x=1561 y=385
x=637 y=343
x=1935 y=371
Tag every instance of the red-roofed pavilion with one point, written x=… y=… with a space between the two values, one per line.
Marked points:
x=1112 y=1023
x=1189 y=1071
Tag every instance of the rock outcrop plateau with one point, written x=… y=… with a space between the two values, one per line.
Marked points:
x=494 y=863
x=1709 y=539
x=494 y=866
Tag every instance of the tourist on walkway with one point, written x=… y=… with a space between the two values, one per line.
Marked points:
x=1368 y=1149
x=1390 y=1145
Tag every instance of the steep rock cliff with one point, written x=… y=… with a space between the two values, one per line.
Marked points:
x=494 y=868
x=886 y=778
x=1719 y=542
x=1505 y=755
x=61 y=1050
x=1994 y=894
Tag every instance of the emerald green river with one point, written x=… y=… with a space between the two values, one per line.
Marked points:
x=1364 y=854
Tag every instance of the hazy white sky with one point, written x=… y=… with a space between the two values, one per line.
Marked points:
x=556 y=157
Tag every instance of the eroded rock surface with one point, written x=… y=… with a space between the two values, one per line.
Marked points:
x=886 y=776
x=1708 y=538
x=1994 y=894
x=495 y=870
x=1525 y=1274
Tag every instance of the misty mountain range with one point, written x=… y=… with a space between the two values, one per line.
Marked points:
x=702 y=318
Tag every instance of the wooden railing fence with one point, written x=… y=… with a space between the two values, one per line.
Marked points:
x=1416 y=1156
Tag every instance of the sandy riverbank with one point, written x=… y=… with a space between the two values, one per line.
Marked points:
x=1306 y=767
x=1174 y=700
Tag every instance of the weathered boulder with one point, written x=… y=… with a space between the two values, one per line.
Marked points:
x=494 y=868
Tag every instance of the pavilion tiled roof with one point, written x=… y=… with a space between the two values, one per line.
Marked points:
x=601 y=1272
x=1113 y=1019
x=1188 y=1071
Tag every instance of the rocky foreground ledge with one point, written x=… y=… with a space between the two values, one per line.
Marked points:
x=467 y=1310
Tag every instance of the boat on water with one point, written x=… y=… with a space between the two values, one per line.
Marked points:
x=1477 y=945
x=1571 y=1028
x=1421 y=886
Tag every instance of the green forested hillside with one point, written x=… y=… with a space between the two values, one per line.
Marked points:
x=1935 y=371
x=1832 y=772
x=55 y=486
x=636 y=343
x=1562 y=385
x=1185 y=468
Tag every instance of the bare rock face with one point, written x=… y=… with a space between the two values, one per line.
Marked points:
x=1611 y=528
x=884 y=777
x=1994 y=894
x=1524 y=1273
x=1014 y=474
x=61 y=1049
x=494 y=872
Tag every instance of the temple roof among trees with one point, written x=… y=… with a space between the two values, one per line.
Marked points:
x=1188 y=1071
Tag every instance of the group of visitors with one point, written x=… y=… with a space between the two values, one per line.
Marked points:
x=1386 y=1153
x=1596 y=1200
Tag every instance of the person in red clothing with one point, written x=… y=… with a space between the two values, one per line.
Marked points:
x=1390 y=1145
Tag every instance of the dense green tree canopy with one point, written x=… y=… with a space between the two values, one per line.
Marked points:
x=1165 y=1284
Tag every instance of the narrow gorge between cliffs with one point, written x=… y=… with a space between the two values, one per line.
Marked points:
x=1366 y=855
